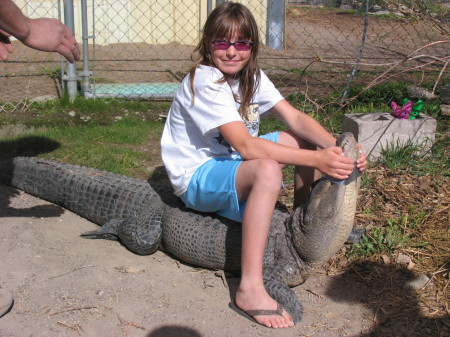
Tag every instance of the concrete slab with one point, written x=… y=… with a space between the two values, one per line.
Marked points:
x=375 y=131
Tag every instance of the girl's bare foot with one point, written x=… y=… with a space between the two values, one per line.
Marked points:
x=257 y=303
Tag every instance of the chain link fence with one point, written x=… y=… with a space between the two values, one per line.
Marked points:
x=29 y=73
x=142 y=48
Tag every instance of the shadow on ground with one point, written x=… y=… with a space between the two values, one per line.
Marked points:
x=28 y=146
x=174 y=331
x=397 y=309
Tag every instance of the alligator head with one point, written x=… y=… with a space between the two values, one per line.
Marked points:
x=319 y=229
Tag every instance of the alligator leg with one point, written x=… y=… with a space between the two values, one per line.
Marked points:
x=109 y=231
x=141 y=235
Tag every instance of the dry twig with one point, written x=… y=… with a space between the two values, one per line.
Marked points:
x=75 y=269
x=72 y=309
x=128 y=324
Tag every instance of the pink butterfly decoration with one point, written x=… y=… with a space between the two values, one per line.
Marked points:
x=402 y=113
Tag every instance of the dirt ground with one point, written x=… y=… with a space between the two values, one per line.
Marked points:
x=65 y=285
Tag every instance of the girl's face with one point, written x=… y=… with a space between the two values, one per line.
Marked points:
x=230 y=61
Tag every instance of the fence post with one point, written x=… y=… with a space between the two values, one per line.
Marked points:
x=61 y=59
x=208 y=7
x=71 y=76
x=84 y=27
x=275 y=24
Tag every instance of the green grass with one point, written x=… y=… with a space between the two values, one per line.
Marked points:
x=377 y=99
x=414 y=158
x=118 y=147
x=395 y=234
x=402 y=162
x=112 y=135
x=397 y=156
x=384 y=240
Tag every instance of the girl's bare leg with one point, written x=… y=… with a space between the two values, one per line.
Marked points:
x=259 y=182
x=304 y=177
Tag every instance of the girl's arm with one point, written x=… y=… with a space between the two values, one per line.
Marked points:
x=309 y=129
x=329 y=161
x=303 y=125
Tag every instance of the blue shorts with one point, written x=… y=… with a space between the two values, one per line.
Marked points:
x=212 y=187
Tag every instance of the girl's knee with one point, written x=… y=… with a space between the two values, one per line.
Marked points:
x=269 y=173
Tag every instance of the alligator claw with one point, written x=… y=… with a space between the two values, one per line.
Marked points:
x=355 y=235
x=108 y=231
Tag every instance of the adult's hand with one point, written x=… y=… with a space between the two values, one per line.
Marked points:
x=51 y=35
x=5 y=45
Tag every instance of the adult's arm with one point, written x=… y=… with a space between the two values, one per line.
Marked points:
x=44 y=34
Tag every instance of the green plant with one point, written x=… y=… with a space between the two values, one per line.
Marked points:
x=83 y=104
x=398 y=155
x=366 y=180
x=52 y=72
x=365 y=109
x=381 y=94
x=423 y=6
x=330 y=121
x=416 y=217
x=271 y=124
x=379 y=241
x=415 y=158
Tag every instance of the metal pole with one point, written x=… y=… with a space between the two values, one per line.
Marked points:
x=85 y=37
x=360 y=54
x=62 y=63
x=208 y=7
x=275 y=23
x=71 y=76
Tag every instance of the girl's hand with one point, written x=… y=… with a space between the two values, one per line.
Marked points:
x=362 y=162
x=333 y=163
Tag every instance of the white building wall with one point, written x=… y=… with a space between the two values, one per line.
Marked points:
x=140 y=21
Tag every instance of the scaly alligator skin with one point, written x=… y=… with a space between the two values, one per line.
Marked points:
x=146 y=217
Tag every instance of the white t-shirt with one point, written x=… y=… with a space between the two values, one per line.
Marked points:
x=191 y=136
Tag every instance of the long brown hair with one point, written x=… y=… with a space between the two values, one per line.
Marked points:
x=225 y=20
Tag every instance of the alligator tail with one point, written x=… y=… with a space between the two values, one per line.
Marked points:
x=275 y=283
x=284 y=295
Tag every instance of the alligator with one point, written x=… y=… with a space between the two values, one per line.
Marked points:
x=146 y=216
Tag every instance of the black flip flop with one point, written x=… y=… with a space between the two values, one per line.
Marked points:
x=250 y=314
